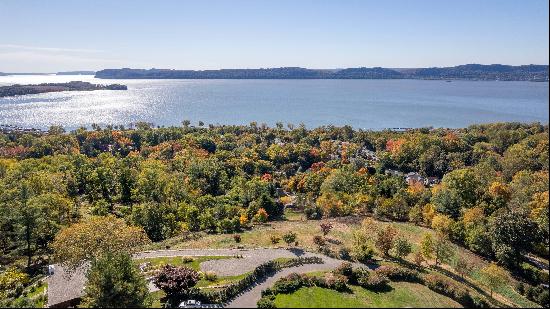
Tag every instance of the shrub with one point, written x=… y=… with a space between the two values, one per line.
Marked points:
x=385 y=239
x=520 y=288
x=419 y=259
x=313 y=212
x=275 y=239
x=265 y=302
x=210 y=276
x=335 y=282
x=374 y=281
x=187 y=259
x=226 y=226
x=538 y=294
x=345 y=269
x=175 y=280
x=319 y=241
x=289 y=237
x=363 y=253
x=325 y=228
x=13 y=279
x=402 y=247
x=532 y=274
x=288 y=284
x=543 y=299
x=448 y=288
x=396 y=273
x=261 y=216
x=237 y=238
x=360 y=272
x=344 y=254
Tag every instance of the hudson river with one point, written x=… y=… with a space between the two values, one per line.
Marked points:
x=368 y=104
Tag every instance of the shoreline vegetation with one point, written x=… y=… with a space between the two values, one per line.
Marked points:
x=15 y=90
x=494 y=72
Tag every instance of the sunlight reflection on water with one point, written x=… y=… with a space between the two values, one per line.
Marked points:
x=361 y=103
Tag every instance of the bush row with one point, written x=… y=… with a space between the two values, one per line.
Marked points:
x=379 y=278
x=259 y=272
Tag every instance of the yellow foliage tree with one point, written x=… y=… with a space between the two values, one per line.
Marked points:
x=93 y=238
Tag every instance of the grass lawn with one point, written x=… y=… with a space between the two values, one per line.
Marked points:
x=156 y=296
x=39 y=289
x=403 y=294
x=194 y=264
x=179 y=261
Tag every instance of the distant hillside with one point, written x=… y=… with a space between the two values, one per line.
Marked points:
x=76 y=73
x=467 y=72
x=483 y=72
x=3 y=74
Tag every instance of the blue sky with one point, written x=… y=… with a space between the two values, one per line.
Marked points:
x=54 y=35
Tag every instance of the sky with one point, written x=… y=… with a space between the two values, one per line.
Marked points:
x=63 y=35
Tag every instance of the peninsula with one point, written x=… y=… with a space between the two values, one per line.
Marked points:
x=13 y=90
x=529 y=72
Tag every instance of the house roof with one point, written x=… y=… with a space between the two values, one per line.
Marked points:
x=64 y=286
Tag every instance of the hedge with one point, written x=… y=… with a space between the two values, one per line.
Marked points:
x=260 y=272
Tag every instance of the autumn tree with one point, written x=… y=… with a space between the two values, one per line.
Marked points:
x=91 y=239
x=385 y=239
x=493 y=276
x=427 y=246
x=462 y=266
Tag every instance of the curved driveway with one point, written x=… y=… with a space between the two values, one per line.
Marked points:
x=62 y=287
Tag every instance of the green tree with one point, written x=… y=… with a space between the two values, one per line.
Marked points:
x=114 y=281
x=513 y=234
x=459 y=188
x=361 y=250
x=402 y=247
x=157 y=220
x=443 y=250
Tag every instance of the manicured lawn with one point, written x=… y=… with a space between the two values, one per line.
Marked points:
x=194 y=264
x=156 y=296
x=403 y=294
x=179 y=261
x=220 y=281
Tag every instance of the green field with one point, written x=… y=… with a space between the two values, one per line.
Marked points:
x=403 y=294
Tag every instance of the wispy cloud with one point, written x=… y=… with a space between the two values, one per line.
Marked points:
x=48 y=49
